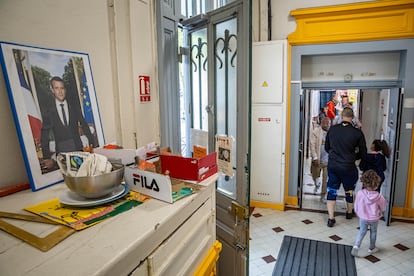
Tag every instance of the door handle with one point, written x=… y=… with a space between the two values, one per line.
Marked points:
x=239 y=246
x=209 y=109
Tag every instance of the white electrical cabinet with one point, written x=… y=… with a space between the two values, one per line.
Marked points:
x=268 y=72
x=267 y=154
x=268 y=122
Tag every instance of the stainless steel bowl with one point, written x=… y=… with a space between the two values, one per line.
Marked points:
x=96 y=186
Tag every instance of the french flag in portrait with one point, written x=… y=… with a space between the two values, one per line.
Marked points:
x=35 y=119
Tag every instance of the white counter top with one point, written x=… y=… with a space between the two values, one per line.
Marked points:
x=113 y=247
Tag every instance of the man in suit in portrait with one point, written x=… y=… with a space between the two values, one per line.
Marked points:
x=62 y=122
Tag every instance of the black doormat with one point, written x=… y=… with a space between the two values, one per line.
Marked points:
x=298 y=256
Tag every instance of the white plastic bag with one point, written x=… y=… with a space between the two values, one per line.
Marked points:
x=83 y=163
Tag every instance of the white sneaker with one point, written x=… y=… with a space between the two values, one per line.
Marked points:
x=354 y=251
x=372 y=251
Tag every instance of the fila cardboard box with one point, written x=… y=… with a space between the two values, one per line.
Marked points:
x=157 y=185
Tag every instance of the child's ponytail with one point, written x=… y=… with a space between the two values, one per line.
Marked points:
x=385 y=149
x=382 y=146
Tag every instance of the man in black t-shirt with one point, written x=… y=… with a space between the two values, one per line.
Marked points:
x=345 y=144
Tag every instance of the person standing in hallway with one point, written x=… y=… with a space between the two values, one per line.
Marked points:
x=346 y=103
x=322 y=113
x=345 y=144
x=61 y=122
x=376 y=159
x=369 y=206
x=331 y=107
x=319 y=155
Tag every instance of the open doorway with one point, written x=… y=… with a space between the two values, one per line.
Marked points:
x=377 y=114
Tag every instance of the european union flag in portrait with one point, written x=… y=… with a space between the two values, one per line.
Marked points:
x=87 y=107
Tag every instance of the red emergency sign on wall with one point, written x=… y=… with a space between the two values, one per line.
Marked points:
x=264 y=119
x=144 y=89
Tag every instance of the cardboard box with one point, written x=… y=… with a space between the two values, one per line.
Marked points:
x=157 y=185
x=194 y=169
x=125 y=156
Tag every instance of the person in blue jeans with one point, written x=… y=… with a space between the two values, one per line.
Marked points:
x=345 y=144
x=369 y=206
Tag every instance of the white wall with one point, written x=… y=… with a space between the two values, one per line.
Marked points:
x=282 y=23
x=87 y=27
x=135 y=54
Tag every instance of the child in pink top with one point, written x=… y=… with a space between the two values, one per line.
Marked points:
x=369 y=206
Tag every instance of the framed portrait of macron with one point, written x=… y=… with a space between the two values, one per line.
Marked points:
x=54 y=105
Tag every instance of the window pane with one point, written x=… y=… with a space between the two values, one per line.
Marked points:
x=221 y=3
x=187 y=8
x=226 y=92
x=198 y=67
x=191 y=8
x=183 y=100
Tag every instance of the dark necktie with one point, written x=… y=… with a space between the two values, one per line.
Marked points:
x=65 y=121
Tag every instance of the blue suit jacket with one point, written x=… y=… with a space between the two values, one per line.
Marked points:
x=67 y=138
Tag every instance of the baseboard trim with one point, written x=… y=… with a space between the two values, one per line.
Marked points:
x=402 y=212
x=268 y=205
x=292 y=201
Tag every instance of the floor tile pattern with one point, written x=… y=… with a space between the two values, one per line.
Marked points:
x=269 y=259
x=278 y=229
x=372 y=258
x=401 y=247
x=335 y=238
x=396 y=242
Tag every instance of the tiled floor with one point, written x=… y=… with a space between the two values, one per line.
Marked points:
x=267 y=228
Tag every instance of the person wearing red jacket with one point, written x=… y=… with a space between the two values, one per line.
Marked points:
x=331 y=106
